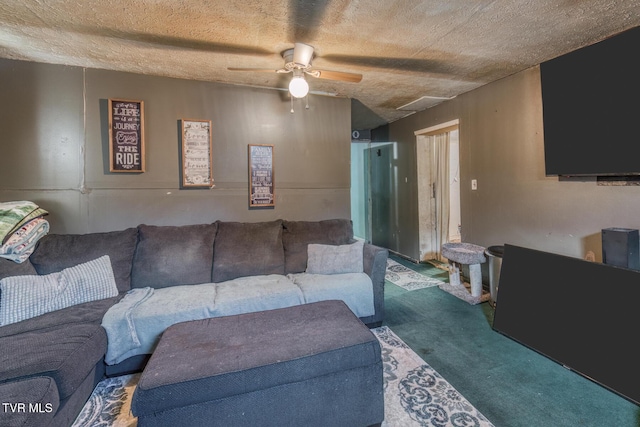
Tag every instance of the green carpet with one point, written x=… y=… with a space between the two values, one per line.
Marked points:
x=508 y=383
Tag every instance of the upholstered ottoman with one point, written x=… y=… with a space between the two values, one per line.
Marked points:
x=308 y=365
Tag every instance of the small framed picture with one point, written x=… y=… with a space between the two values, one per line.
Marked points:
x=261 y=176
x=196 y=153
x=126 y=136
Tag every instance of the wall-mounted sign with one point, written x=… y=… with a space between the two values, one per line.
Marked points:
x=126 y=136
x=197 y=157
x=261 y=177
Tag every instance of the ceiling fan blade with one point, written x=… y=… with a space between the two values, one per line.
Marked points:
x=259 y=70
x=337 y=75
x=432 y=66
x=302 y=54
x=170 y=42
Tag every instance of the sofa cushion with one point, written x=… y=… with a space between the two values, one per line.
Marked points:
x=87 y=313
x=66 y=353
x=38 y=394
x=247 y=249
x=24 y=297
x=335 y=259
x=173 y=255
x=354 y=289
x=56 y=252
x=9 y=268
x=297 y=235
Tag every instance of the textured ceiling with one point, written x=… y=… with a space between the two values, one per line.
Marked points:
x=405 y=50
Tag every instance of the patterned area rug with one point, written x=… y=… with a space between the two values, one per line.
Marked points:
x=407 y=278
x=414 y=394
x=410 y=280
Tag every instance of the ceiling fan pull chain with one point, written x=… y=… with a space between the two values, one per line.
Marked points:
x=291 y=97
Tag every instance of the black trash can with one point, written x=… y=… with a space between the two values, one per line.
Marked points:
x=494 y=255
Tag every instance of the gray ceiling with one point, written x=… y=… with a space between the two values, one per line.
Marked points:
x=405 y=50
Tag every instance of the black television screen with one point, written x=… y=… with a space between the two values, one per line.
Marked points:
x=580 y=314
x=591 y=112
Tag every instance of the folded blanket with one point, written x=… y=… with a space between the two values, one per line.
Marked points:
x=118 y=322
x=22 y=242
x=134 y=324
x=14 y=215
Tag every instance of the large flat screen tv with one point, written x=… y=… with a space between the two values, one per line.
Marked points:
x=591 y=110
x=583 y=315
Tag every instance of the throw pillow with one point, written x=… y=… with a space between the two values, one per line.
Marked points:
x=336 y=259
x=297 y=235
x=24 y=297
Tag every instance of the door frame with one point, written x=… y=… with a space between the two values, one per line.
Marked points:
x=426 y=178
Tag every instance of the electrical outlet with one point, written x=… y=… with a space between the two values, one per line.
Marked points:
x=474 y=184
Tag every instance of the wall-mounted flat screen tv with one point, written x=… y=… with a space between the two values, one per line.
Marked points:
x=580 y=314
x=591 y=109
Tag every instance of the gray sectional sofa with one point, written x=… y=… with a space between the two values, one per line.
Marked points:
x=49 y=364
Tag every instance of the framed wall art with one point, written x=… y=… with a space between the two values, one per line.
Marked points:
x=261 y=176
x=126 y=136
x=196 y=153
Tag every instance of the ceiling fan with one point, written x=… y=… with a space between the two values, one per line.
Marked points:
x=298 y=61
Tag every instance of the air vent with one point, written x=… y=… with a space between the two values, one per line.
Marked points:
x=423 y=103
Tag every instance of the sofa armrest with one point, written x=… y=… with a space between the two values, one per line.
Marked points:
x=375 y=265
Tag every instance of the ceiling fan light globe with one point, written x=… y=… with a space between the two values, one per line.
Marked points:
x=298 y=87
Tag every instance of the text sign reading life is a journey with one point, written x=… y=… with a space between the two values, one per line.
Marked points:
x=126 y=135
x=261 y=185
